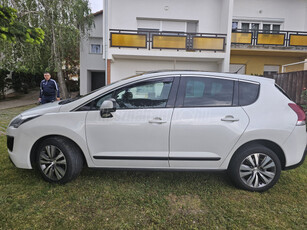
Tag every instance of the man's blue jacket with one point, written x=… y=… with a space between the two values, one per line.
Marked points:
x=49 y=89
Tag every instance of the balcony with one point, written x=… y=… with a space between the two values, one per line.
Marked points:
x=198 y=42
x=269 y=38
x=150 y=40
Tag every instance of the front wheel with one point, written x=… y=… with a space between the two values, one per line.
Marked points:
x=256 y=168
x=59 y=160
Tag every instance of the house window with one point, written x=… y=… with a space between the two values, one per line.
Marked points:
x=276 y=28
x=148 y=32
x=167 y=25
x=270 y=70
x=255 y=28
x=95 y=48
x=266 y=28
x=245 y=27
x=234 y=26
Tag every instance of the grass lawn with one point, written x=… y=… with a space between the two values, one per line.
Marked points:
x=100 y=199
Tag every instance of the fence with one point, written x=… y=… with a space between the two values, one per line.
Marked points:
x=293 y=83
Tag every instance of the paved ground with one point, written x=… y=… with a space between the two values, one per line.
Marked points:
x=20 y=99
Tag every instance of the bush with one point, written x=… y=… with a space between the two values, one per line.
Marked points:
x=304 y=95
x=22 y=81
x=5 y=82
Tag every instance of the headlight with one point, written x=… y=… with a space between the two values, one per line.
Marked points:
x=19 y=120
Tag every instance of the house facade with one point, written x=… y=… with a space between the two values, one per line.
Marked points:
x=92 y=67
x=245 y=36
x=268 y=34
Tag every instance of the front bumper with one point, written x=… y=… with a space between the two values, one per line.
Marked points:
x=19 y=146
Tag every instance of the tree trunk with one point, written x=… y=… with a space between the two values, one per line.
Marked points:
x=63 y=88
x=58 y=63
x=3 y=94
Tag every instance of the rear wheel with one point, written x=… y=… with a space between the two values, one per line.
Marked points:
x=256 y=168
x=59 y=160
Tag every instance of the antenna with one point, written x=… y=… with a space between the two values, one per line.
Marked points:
x=239 y=69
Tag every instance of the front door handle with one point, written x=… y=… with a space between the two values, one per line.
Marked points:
x=157 y=120
x=229 y=118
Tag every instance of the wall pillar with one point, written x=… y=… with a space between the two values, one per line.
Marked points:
x=109 y=72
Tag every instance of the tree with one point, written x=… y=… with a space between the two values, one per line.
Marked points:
x=63 y=22
x=11 y=29
x=17 y=39
x=5 y=82
x=67 y=19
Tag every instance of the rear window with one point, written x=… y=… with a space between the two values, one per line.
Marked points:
x=248 y=93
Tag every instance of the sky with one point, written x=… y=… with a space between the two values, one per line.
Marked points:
x=96 y=5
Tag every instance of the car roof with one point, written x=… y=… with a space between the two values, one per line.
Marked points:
x=164 y=73
x=203 y=73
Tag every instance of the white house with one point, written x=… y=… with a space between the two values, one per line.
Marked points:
x=268 y=34
x=135 y=36
x=92 y=68
x=145 y=35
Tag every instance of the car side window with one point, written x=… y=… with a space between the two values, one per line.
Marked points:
x=100 y=100
x=95 y=104
x=202 y=91
x=144 y=95
x=248 y=93
x=149 y=94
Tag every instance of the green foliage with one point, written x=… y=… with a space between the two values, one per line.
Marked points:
x=5 y=82
x=23 y=81
x=46 y=36
x=11 y=29
x=304 y=95
x=7 y=19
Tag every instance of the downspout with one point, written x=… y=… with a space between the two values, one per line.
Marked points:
x=106 y=29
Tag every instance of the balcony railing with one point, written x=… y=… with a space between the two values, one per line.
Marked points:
x=144 y=39
x=147 y=39
x=269 y=37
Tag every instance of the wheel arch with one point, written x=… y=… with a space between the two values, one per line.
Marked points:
x=268 y=144
x=37 y=143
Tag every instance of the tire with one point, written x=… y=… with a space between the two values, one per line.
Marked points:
x=255 y=168
x=58 y=160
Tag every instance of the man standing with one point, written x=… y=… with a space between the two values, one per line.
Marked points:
x=49 y=90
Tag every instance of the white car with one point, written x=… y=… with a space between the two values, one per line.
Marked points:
x=171 y=120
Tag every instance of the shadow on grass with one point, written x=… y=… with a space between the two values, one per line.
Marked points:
x=158 y=178
x=154 y=179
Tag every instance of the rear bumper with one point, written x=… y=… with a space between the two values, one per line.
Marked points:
x=294 y=147
x=298 y=164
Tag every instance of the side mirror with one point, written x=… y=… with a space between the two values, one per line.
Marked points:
x=107 y=107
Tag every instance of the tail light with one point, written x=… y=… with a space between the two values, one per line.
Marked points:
x=301 y=116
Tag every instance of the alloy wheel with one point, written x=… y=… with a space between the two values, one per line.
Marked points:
x=257 y=170
x=52 y=162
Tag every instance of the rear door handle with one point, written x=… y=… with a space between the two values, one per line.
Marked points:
x=229 y=118
x=157 y=120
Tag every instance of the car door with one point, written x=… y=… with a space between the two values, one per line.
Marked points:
x=137 y=134
x=206 y=122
